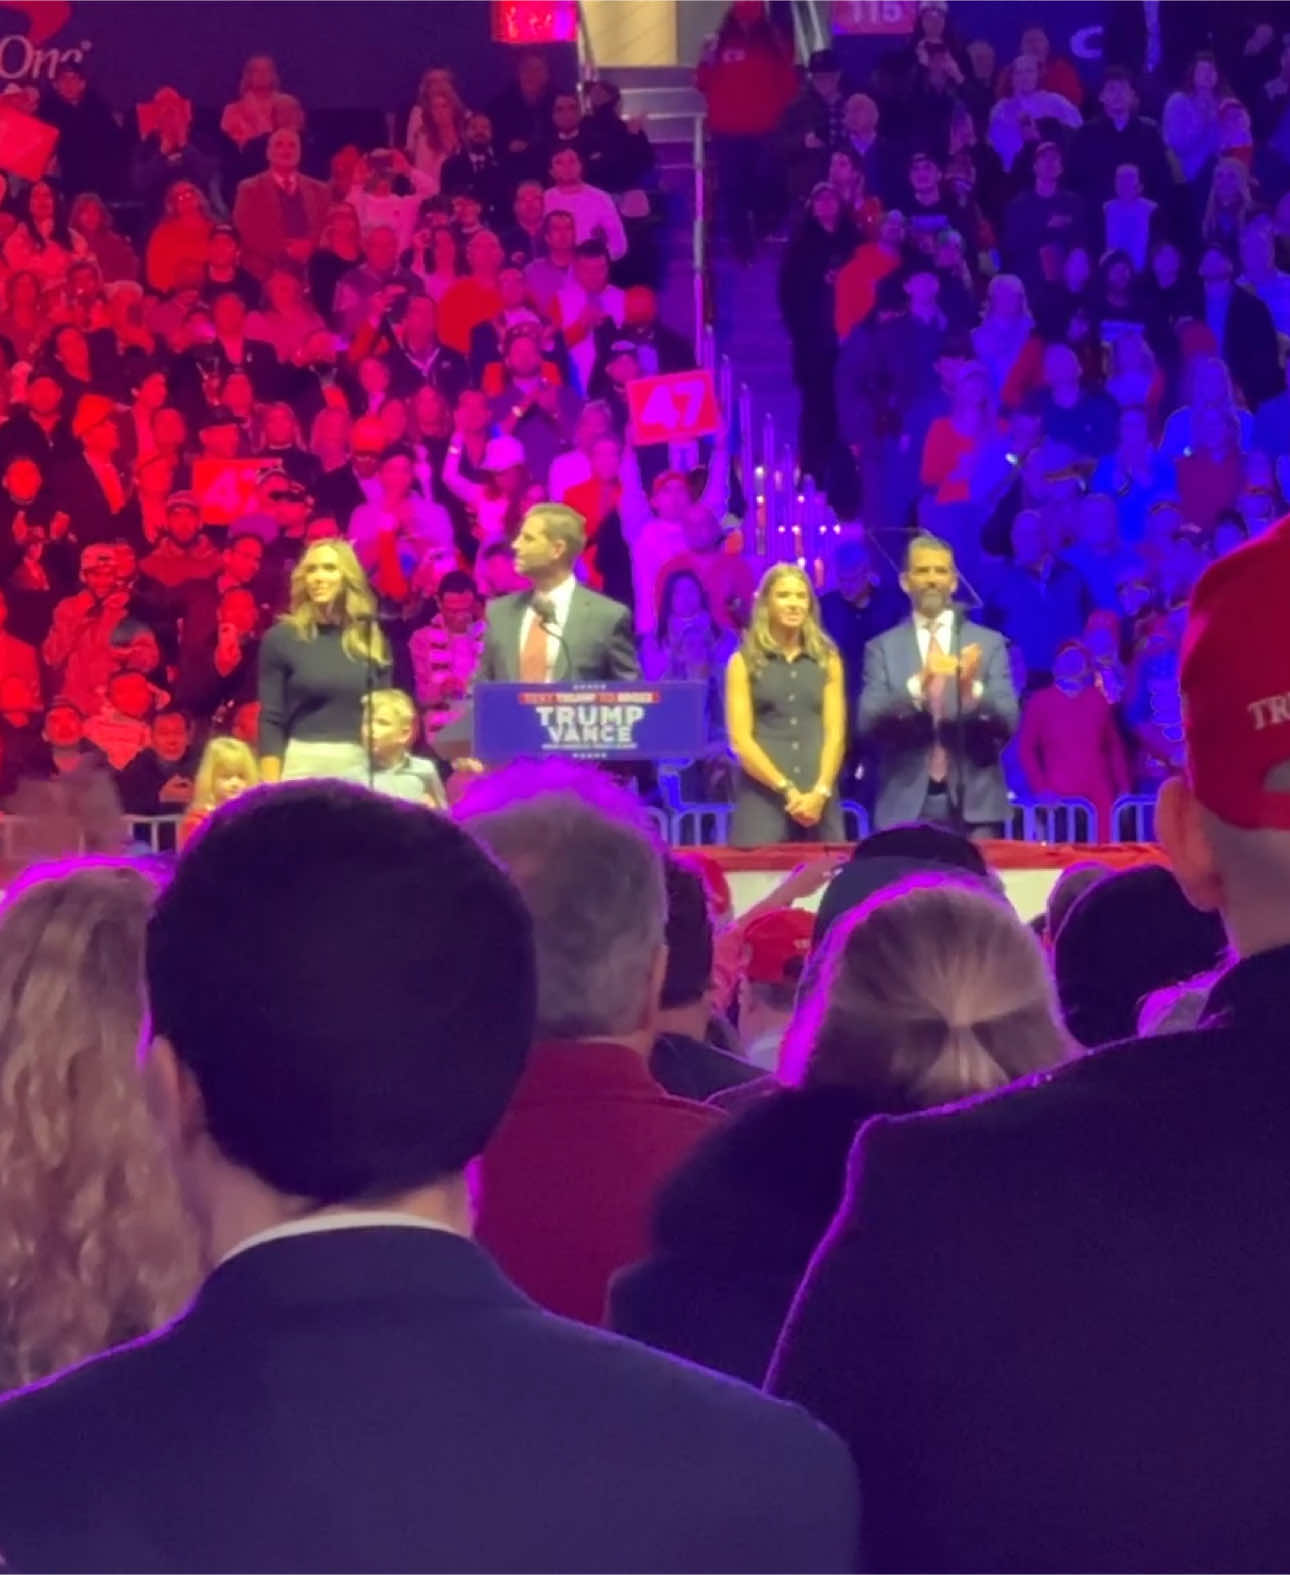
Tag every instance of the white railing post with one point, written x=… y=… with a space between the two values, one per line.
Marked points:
x=751 y=474
x=769 y=484
x=700 y=238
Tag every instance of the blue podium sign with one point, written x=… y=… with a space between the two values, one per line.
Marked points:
x=590 y=721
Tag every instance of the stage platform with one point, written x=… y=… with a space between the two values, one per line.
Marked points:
x=1028 y=869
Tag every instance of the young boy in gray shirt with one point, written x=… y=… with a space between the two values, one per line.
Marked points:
x=389 y=729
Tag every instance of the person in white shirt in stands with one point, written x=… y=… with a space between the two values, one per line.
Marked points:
x=1128 y=216
x=583 y=304
x=595 y=215
x=1026 y=105
x=416 y=524
x=548 y=274
x=573 y=467
x=654 y=527
x=378 y=204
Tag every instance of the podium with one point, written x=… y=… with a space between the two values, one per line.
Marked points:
x=589 y=721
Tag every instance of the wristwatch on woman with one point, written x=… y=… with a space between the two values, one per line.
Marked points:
x=784 y=787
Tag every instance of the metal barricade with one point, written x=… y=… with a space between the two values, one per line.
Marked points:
x=1052 y=820
x=159 y=832
x=702 y=825
x=855 y=821
x=1133 y=819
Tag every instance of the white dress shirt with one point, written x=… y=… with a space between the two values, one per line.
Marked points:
x=592 y=210
x=338 y=1219
x=572 y=301
x=560 y=599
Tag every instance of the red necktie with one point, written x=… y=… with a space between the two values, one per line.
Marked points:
x=938 y=762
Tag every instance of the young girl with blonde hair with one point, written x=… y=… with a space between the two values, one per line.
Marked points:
x=228 y=767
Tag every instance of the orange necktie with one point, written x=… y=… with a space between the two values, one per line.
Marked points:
x=533 y=660
x=938 y=762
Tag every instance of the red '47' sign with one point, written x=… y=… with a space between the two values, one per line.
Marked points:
x=673 y=407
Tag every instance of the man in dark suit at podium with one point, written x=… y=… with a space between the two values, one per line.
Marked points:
x=357 y=1386
x=557 y=630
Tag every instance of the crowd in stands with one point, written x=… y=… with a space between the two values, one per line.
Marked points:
x=221 y=341
x=1043 y=312
x=367 y=1234
x=905 y=1160
x=1023 y=314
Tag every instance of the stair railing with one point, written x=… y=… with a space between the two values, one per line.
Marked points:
x=699 y=244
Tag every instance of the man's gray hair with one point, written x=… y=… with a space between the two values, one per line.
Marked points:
x=580 y=851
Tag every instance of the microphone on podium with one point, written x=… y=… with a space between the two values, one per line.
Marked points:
x=544 y=611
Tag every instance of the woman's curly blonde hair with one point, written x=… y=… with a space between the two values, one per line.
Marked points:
x=95 y=1247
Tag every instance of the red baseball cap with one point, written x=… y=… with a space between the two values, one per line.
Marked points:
x=1235 y=680
x=776 y=944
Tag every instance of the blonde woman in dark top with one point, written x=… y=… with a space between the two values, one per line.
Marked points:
x=316 y=664
x=786 y=717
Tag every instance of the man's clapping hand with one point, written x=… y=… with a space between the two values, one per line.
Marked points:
x=939 y=664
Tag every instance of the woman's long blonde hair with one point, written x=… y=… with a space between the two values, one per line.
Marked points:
x=95 y=1247
x=1209 y=222
x=758 y=644
x=432 y=84
x=361 y=637
x=930 y=992
x=221 y=753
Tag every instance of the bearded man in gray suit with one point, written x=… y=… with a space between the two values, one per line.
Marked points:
x=939 y=705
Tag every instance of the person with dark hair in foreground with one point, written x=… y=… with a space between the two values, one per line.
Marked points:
x=356 y=1386
x=1051 y=1324
x=1132 y=933
x=892 y=855
x=684 y=1060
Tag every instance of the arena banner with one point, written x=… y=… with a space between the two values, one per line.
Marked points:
x=335 y=56
x=1078 y=29
x=589 y=721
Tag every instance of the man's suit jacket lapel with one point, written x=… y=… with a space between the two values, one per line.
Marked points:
x=516 y=608
x=507 y=617
x=575 y=626
x=912 y=655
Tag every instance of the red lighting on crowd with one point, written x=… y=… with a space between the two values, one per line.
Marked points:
x=535 y=21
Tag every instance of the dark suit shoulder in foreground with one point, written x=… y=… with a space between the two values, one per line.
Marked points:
x=1051 y=1323
x=383 y=1399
